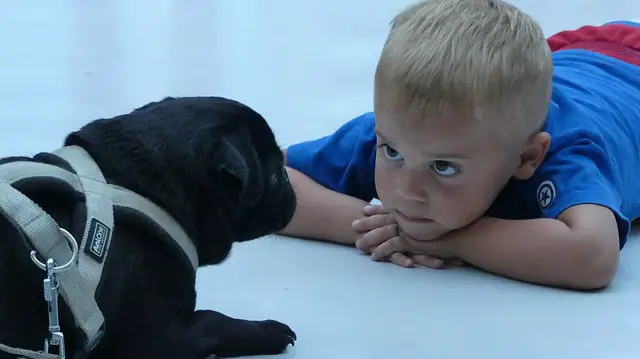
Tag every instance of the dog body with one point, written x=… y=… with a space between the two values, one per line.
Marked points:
x=214 y=165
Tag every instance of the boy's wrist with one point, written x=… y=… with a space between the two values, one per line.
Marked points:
x=456 y=242
x=322 y=214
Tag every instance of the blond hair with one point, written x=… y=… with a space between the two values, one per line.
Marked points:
x=475 y=58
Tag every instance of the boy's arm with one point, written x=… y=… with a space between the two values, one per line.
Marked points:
x=576 y=243
x=322 y=213
x=579 y=250
x=333 y=178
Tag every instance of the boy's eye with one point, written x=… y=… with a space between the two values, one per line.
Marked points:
x=391 y=154
x=445 y=168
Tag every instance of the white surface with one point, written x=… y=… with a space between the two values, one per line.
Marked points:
x=307 y=66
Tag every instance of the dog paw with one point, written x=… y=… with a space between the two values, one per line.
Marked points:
x=267 y=337
x=229 y=337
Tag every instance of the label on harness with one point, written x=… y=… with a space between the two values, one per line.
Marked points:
x=97 y=240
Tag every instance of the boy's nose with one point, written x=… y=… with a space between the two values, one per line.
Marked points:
x=411 y=186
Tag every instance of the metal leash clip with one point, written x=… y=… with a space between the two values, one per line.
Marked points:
x=51 y=293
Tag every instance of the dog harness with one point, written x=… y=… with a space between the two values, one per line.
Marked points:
x=75 y=268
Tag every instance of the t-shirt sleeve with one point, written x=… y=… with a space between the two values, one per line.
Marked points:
x=580 y=173
x=343 y=161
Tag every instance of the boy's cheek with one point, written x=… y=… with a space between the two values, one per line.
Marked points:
x=384 y=184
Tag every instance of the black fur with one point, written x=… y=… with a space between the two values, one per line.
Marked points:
x=215 y=166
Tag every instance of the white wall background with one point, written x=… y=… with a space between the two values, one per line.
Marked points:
x=306 y=65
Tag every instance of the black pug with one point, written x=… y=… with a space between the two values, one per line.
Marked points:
x=210 y=162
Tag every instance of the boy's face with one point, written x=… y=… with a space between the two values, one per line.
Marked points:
x=438 y=174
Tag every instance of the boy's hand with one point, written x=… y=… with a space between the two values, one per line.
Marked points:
x=435 y=254
x=379 y=227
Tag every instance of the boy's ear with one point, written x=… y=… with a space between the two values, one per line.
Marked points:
x=534 y=152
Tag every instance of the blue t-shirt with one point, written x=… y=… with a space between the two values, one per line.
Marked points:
x=594 y=156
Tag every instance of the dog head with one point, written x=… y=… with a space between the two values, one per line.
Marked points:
x=212 y=163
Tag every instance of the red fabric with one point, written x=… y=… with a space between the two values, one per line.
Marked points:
x=616 y=40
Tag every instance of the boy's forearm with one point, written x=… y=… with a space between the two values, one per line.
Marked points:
x=322 y=213
x=543 y=251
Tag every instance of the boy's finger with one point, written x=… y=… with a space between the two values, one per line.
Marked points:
x=387 y=248
x=372 y=222
x=376 y=237
x=400 y=259
x=428 y=261
x=455 y=263
x=372 y=209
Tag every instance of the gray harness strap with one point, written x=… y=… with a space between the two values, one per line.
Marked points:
x=78 y=283
x=84 y=165
x=44 y=234
x=123 y=197
x=98 y=229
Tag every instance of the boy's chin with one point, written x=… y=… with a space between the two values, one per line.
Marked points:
x=426 y=234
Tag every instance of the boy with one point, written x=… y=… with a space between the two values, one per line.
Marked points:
x=490 y=145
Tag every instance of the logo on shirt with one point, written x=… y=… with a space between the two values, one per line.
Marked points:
x=546 y=193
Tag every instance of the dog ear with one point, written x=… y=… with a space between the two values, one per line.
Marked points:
x=240 y=159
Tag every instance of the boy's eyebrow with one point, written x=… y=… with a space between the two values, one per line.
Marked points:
x=450 y=155
x=433 y=155
x=379 y=134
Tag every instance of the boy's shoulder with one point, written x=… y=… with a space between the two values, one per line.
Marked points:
x=596 y=82
x=343 y=161
x=594 y=155
x=593 y=96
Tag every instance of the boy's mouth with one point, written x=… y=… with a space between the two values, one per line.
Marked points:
x=411 y=218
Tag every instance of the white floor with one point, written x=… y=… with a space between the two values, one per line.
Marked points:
x=307 y=66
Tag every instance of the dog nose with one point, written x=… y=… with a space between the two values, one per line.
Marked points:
x=280 y=183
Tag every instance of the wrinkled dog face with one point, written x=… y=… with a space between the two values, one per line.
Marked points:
x=211 y=162
x=252 y=177
x=246 y=169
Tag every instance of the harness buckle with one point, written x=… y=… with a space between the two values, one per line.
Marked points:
x=55 y=338
x=51 y=286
